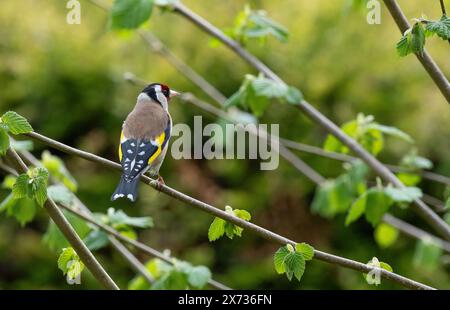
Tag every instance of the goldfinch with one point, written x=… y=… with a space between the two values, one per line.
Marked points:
x=144 y=139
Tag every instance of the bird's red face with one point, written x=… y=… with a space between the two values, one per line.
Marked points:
x=165 y=90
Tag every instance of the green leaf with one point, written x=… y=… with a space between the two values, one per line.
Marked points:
x=447 y=204
x=250 y=24
x=278 y=259
x=427 y=255
x=216 y=229
x=357 y=175
x=8 y=182
x=118 y=217
x=356 y=210
x=418 y=38
x=269 y=88
x=293 y=95
x=295 y=265
x=130 y=14
x=70 y=263
x=409 y=179
x=407 y=194
x=22 y=209
x=413 y=161
x=230 y=230
x=67 y=254
x=258 y=104
x=234 y=100
x=16 y=123
x=333 y=197
x=332 y=144
x=263 y=26
x=75 y=269
x=58 y=170
x=219 y=227
x=377 y=204
x=96 y=240
x=391 y=131
x=61 y=195
x=4 y=141
x=413 y=41
x=385 y=235
x=22 y=187
x=372 y=140
x=305 y=249
x=440 y=27
x=40 y=185
x=292 y=262
x=243 y=214
x=386 y=266
x=199 y=276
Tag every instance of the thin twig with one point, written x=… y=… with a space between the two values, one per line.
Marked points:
x=267 y=234
x=444 y=12
x=419 y=206
x=427 y=61
x=66 y=228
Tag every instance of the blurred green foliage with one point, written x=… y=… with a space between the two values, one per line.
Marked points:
x=68 y=81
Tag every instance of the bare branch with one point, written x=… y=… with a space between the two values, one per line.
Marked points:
x=444 y=12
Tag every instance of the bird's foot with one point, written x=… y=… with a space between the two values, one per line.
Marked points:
x=160 y=181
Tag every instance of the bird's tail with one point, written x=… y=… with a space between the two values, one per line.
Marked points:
x=127 y=188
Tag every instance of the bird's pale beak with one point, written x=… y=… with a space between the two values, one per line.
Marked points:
x=174 y=93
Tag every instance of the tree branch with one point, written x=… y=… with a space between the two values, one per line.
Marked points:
x=139 y=245
x=425 y=59
x=266 y=234
x=126 y=254
x=64 y=226
x=419 y=206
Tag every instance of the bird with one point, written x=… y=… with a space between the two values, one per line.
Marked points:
x=144 y=139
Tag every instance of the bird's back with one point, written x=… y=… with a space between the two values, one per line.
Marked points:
x=146 y=121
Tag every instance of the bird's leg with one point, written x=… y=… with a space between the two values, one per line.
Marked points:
x=160 y=181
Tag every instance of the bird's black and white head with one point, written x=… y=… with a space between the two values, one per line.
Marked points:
x=158 y=93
